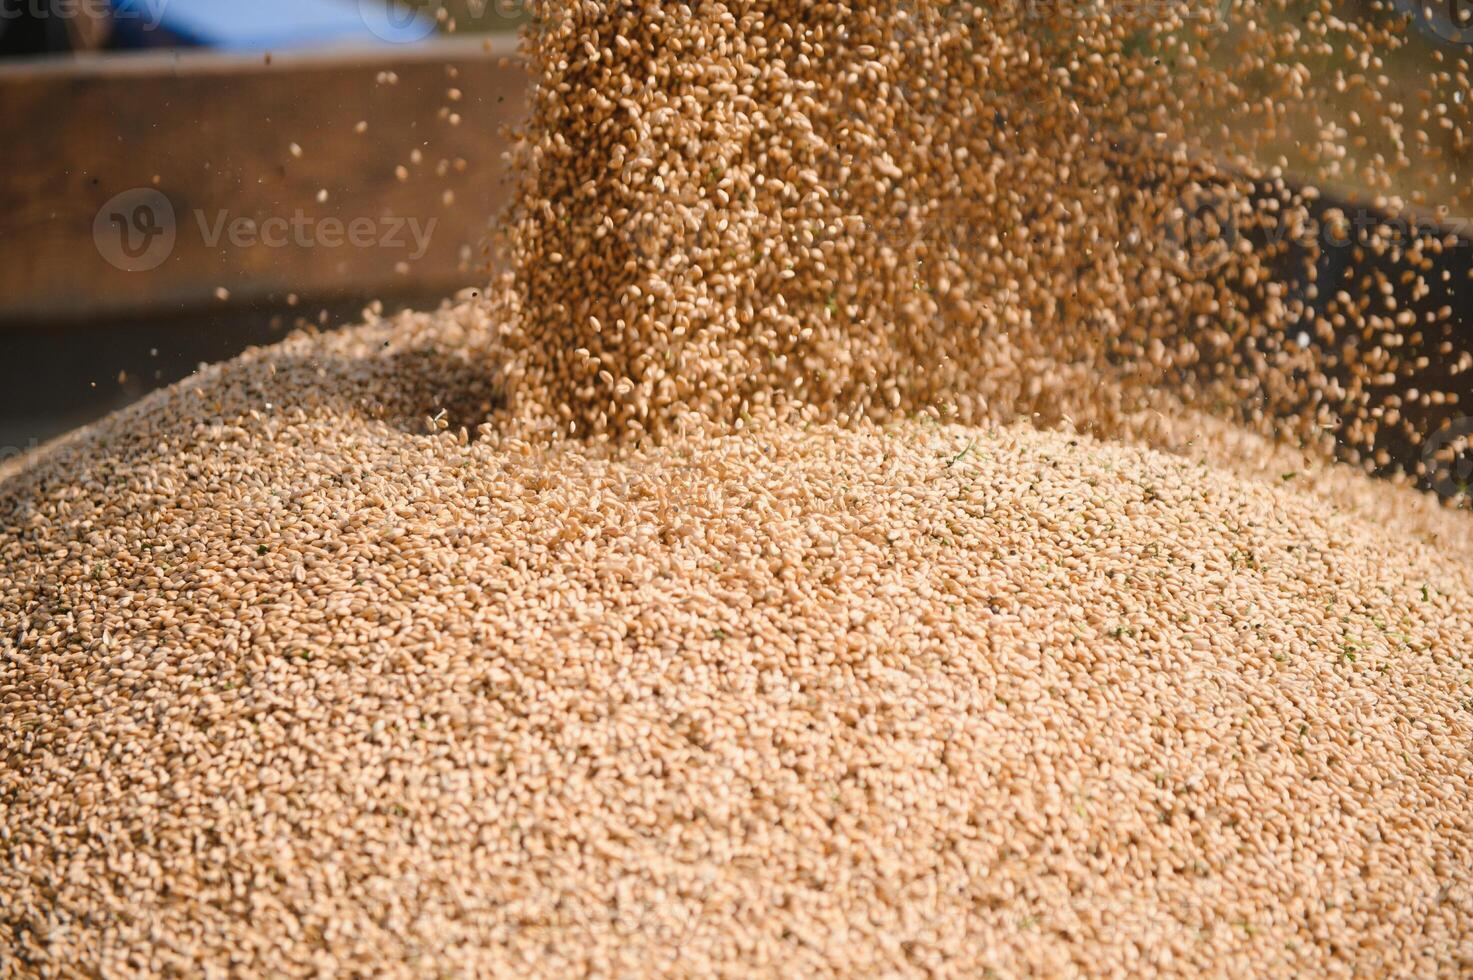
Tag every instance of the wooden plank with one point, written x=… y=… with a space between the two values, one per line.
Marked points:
x=203 y=144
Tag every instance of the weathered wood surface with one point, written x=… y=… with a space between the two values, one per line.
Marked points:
x=213 y=135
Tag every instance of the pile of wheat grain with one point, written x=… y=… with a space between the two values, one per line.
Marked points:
x=292 y=686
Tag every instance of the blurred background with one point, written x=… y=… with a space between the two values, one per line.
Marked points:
x=186 y=178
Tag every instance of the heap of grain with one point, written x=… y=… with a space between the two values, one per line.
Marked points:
x=704 y=640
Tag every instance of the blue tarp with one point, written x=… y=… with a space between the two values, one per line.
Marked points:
x=265 y=25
